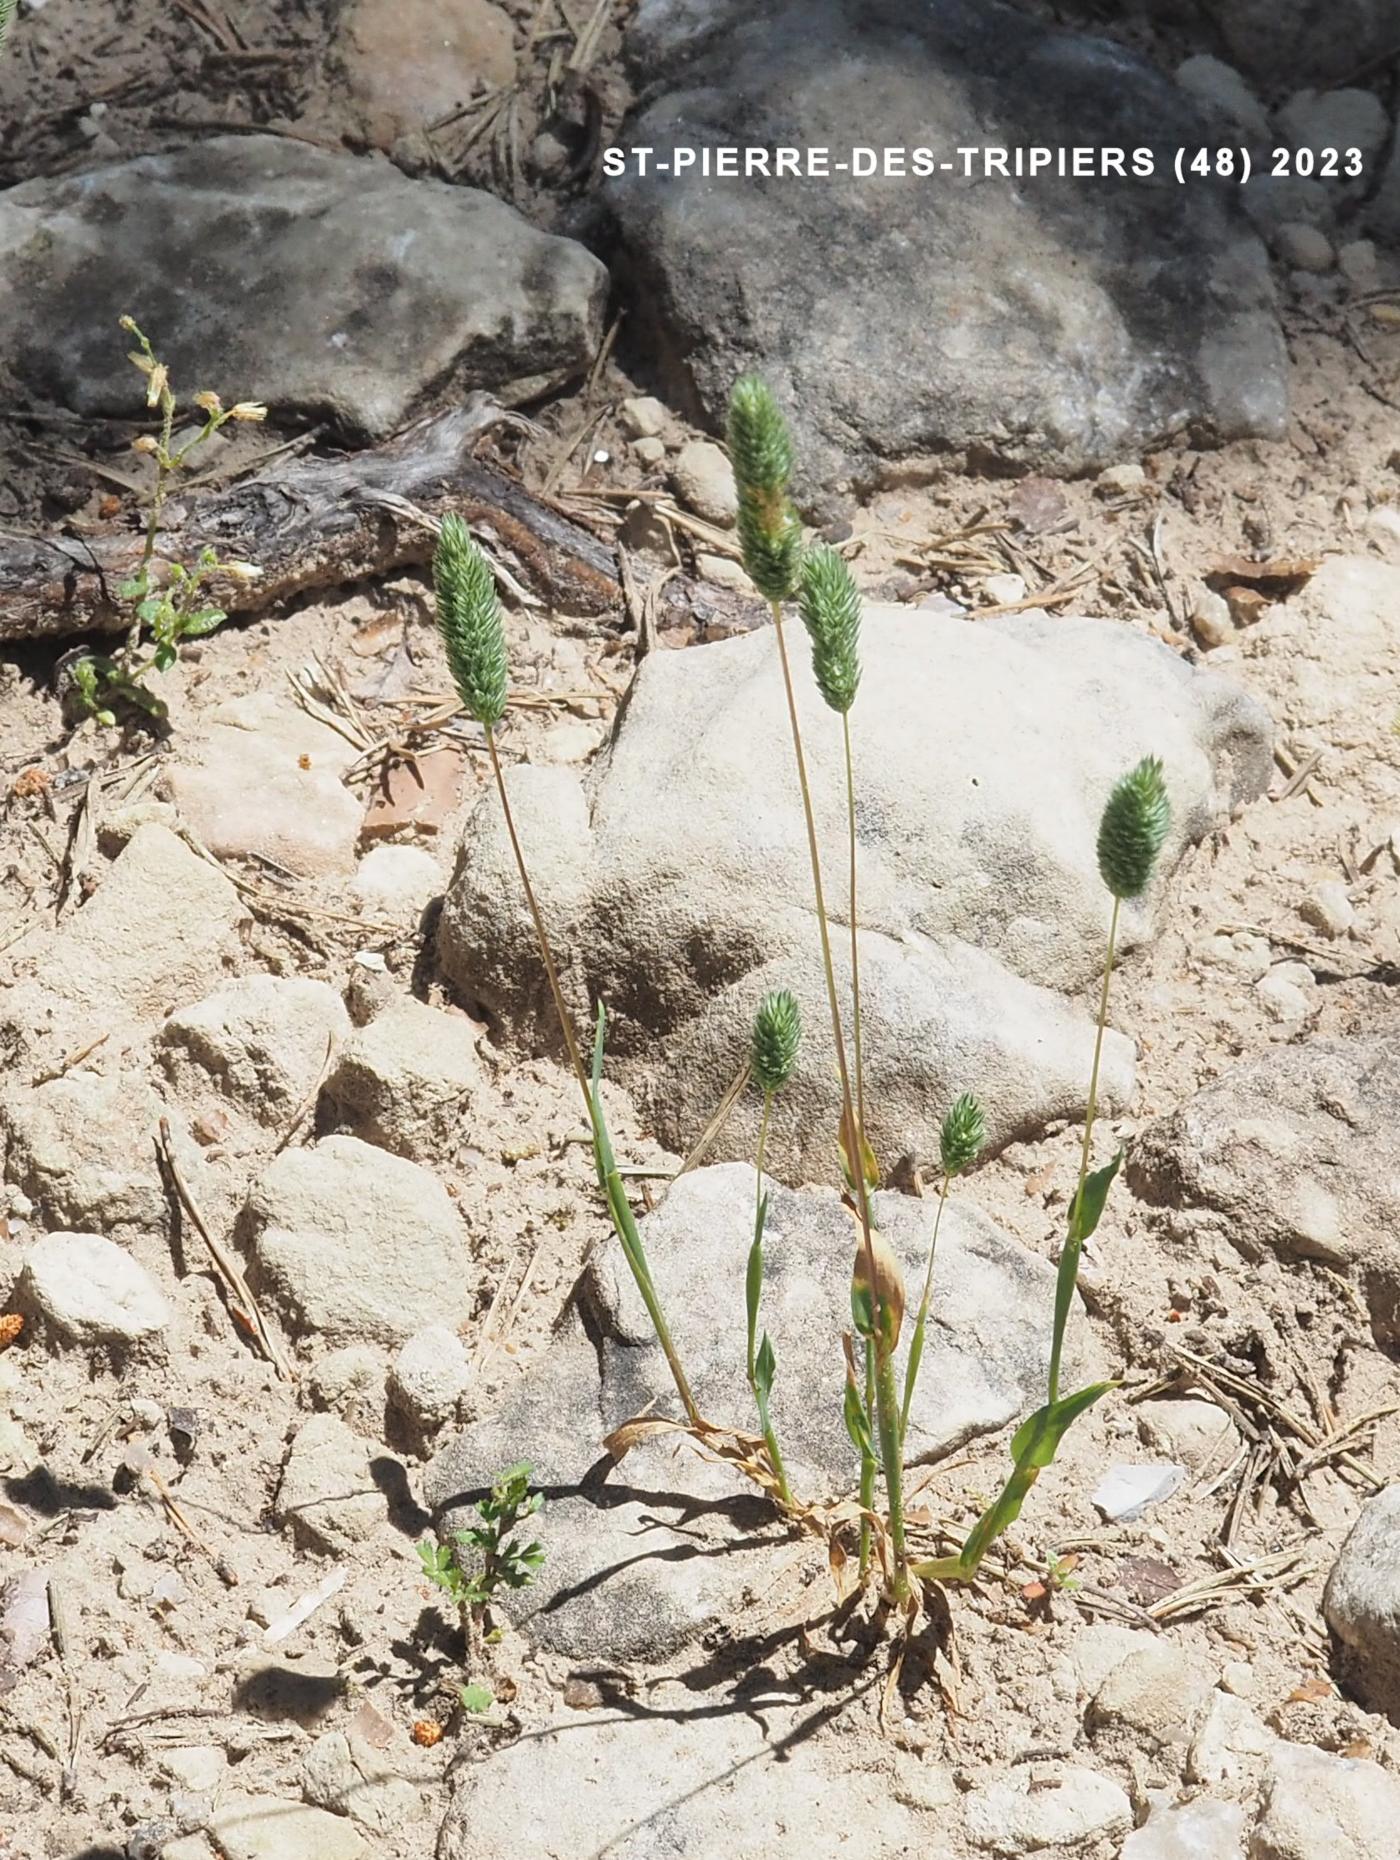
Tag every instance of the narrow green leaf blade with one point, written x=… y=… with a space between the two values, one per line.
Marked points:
x=1037 y=1440
x=999 y=1516
x=753 y=1279
x=857 y=1425
x=1086 y=1210
x=1084 y=1214
x=765 y=1368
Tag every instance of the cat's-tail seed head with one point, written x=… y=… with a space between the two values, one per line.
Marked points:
x=469 y=618
x=760 y=446
x=1134 y=828
x=760 y=451
x=830 y=604
x=777 y=1034
x=962 y=1136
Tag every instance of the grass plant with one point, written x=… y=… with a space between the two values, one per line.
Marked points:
x=1134 y=825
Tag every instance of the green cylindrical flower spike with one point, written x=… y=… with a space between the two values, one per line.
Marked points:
x=760 y=446
x=469 y=618
x=1134 y=828
x=963 y=1134
x=830 y=605
x=760 y=450
x=7 y=13
x=777 y=1032
x=772 y=550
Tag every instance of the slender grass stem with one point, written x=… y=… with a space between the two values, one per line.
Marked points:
x=867 y=1464
x=165 y=467
x=856 y=1027
x=855 y=1137
x=761 y=1363
x=566 y=1024
x=756 y=1251
x=618 y=1205
x=1091 y=1108
x=867 y=1461
x=916 y=1347
x=892 y=1451
x=775 y=1459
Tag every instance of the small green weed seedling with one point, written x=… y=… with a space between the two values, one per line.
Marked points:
x=170 y=601
x=483 y=1559
x=1134 y=826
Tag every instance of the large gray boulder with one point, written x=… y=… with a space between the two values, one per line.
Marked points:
x=675 y=876
x=82 y=1148
x=1362 y=1603
x=354 y=1244
x=1278 y=43
x=262 y=1043
x=700 y=1774
x=1383 y=215
x=1292 y=41
x=1056 y=321
x=644 y=1555
x=1320 y=1807
x=1292 y=1155
x=328 y=287
x=986 y=1354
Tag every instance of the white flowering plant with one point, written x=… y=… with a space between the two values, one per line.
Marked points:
x=169 y=601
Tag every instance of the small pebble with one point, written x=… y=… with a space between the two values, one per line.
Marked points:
x=643 y=417
x=1357 y=262
x=1210 y=619
x=571 y=739
x=648 y=450
x=1283 y=994
x=1303 y=247
x=551 y=154
x=724 y=572
x=1328 y=908
x=1005 y=590
x=1127 y=1491
x=704 y=481
x=1121 y=481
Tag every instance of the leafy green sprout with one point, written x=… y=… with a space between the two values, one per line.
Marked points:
x=1060 y=1576
x=480 y=1560
x=170 y=602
